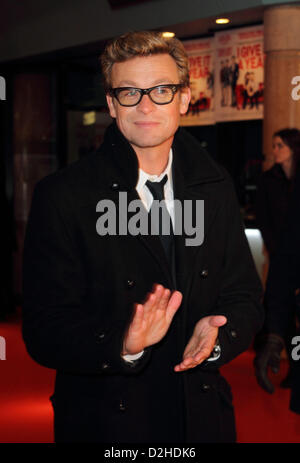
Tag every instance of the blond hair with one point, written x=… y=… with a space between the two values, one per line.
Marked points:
x=143 y=43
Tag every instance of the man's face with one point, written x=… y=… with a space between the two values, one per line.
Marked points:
x=147 y=124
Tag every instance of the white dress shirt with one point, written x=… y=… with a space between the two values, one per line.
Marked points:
x=145 y=194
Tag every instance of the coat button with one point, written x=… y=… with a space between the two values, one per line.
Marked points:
x=100 y=336
x=122 y=407
x=105 y=366
x=233 y=334
x=204 y=273
x=205 y=387
x=130 y=283
x=114 y=186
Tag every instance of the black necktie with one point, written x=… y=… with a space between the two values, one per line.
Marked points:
x=157 y=190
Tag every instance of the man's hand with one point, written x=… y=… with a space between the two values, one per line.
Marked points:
x=202 y=342
x=267 y=357
x=151 y=320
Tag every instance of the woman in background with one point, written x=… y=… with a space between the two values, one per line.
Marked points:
x=276 y=184
x=272 y=204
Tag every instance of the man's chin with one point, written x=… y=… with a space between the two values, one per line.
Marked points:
x=148 y=142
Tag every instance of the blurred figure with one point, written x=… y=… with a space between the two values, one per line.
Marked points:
x=234 y=75
x=272 y=205
x=222 y=81
x=275 y=187
x=283 y=286
x=251 y=92
x=227 y=84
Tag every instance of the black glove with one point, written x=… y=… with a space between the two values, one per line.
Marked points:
x=268 y=356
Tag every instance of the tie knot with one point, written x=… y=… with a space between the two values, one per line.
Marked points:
x=157 y=188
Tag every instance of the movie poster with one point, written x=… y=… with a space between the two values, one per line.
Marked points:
x=201 y=62
x=239 y=74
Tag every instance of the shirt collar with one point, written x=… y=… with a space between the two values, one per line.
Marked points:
x=143 y=176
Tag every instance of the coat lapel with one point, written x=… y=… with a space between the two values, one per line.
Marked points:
x=193 y=171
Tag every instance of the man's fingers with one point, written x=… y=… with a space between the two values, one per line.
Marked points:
x=151 y=301
x=198 y=354
x=192 y=347
x=202 y=355
x=173 y=304
x=138 y=317
x=217 y=320
x=164 y=299
x=154 y=299
x=175 y=300
x=185 y=365
x=193 y=356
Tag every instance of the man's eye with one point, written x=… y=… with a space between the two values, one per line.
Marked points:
x=162 y=90
x=132 y=92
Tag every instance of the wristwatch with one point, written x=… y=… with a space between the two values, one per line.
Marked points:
x=216 y=352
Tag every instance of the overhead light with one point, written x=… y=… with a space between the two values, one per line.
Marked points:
x=89 y=118
x=222 y=20
x=168 y=35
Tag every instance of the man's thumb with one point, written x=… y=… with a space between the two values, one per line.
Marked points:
x=218 y=320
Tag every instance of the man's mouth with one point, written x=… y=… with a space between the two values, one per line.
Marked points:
x=145 y=124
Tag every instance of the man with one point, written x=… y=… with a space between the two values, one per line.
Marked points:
x=137 y=325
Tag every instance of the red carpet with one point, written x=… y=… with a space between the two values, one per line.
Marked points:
x=261 y=417
x=26 y=412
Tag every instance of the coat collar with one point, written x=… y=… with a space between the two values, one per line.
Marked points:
x=190 y=159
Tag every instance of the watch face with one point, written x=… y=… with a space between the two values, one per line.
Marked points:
x=216 y=352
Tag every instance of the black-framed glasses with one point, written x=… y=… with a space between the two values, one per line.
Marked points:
x=131 y=96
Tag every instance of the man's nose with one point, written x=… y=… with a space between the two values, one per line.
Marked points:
x=146 y=105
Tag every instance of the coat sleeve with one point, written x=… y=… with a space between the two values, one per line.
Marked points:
x=59 y=330
x=240 y=294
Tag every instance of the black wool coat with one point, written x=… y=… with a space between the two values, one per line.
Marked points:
x=80 y=287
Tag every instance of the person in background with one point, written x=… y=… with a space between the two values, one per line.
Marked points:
x=272 y=205
x=251 y=92
x=227 y=84
x=222 y=82
x=234 y=75
x=283 y=285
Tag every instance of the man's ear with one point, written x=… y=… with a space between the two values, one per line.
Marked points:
x=111 y=106
x=185 y=98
